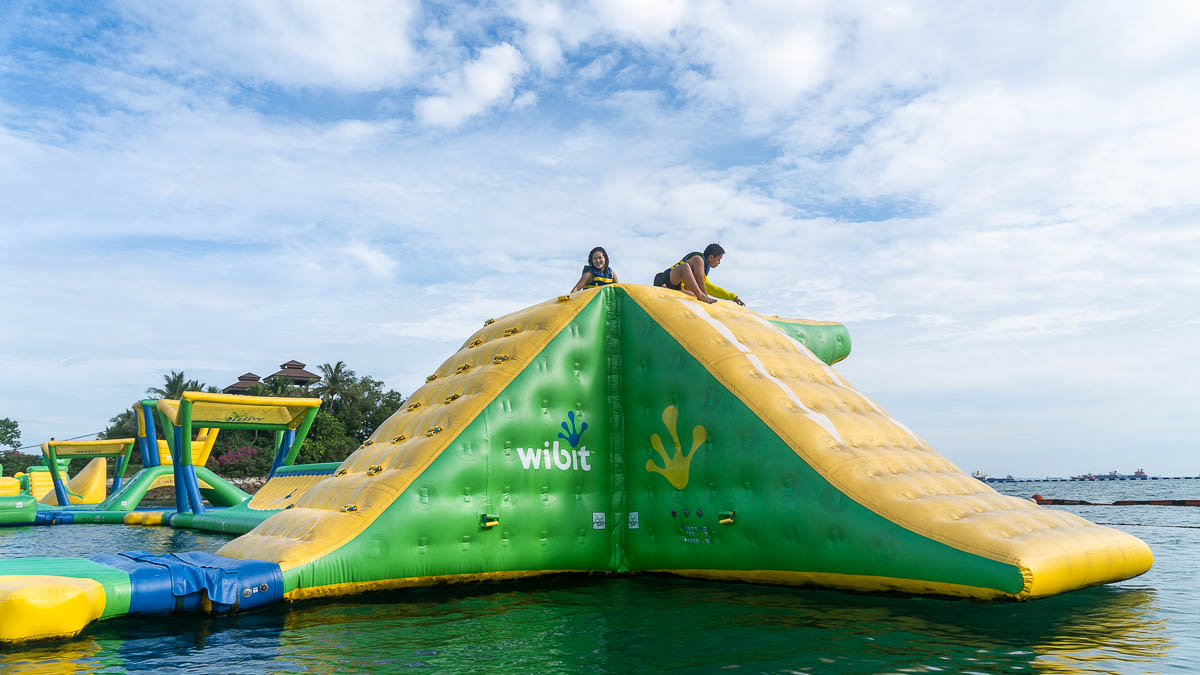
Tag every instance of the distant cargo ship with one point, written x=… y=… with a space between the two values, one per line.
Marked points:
x=1113 y=475
x=979 y=475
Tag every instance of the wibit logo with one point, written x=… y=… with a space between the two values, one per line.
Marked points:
x=675 y=468
x=556 y=457
x=237 y=416
x=572 y=436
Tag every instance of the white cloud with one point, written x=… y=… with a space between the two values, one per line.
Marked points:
x=646 y=22
x=760 y=60
x=999 y=203
x=293 y=43
x=598 y=67
x=483 y=83
x=376 y=262
x=547 y=25
x=526 y=99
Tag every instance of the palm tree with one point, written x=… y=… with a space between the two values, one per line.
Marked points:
x=277 y=385
x=335 y=379
x=174 y=385
x=124 y=425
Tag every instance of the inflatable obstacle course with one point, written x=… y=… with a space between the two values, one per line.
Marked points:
x=37 y=481
x=288 y=418
x=283 y=489
x=181 y=468
x=20 y=497
x=635 y=429
x=90 y=485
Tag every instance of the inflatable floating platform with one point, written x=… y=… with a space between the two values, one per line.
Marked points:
x=626 y=429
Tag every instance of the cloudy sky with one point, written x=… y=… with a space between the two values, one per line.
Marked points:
x=998 y=199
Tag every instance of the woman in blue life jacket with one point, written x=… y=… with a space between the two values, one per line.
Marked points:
x=597 y=272
x=690 y=275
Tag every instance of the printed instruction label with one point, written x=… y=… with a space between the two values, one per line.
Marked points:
x=696 y=534
x=598 y=521
x=633 y=520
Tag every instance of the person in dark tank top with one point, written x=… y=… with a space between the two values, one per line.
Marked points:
x=690 y=275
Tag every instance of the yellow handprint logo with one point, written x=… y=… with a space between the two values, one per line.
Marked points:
x=675 y=468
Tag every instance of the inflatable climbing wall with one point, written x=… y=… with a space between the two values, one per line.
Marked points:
x=633 y=429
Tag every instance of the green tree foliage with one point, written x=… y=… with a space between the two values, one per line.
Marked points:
x=364 y=405
x=327 y=441
x=278 y=385
x=10 y=433
x=14 y=461
x=352 y=408
x=174 y=385
x=335 y=380
x=124 y=425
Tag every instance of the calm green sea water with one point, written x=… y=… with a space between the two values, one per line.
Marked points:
x=618 y=624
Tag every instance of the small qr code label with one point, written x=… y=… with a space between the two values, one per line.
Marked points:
x=633 y=520
x=598 y=521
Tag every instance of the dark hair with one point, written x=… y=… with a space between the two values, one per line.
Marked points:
x=713 y=249
x=607 y=260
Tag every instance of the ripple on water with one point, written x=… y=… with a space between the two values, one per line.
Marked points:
x=619 y=624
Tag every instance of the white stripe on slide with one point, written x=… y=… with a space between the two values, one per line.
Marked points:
x=825 y=422
x=835 y=377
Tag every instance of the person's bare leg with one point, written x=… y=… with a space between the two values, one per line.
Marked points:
x=687 y=274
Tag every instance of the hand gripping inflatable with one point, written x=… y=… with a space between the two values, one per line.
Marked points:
x=634 y=429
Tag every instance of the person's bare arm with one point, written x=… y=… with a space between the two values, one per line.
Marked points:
x=718 y=292
x=584 y=280
x=698 y=281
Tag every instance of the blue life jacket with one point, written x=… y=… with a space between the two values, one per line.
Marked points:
x=602 y=277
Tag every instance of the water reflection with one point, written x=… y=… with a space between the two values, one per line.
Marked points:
x=617 y=624
x=622 y=624
x=76 y=656
x=81 y=541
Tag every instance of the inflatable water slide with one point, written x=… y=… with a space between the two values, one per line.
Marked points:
x=626 y=429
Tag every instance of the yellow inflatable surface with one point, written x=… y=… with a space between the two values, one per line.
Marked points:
x=337 y=509
x=878 y=462
x=47 y=606
x=201 y=447
x=41 y=484
x=89 y=486
x=9 y=487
